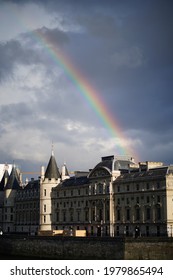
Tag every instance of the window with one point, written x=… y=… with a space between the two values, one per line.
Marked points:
x=148 y=199
x=118 y=188
x=64 y=216
x=107 y=189
x=118 y=231
x=118 y=201
x=137 y=214
x=100 y=188
x=158 y=185
x=64 y=193
x=44 y=208
x=158 y=230
x=57 y=216
x=128 y=214
x=78 y=192
x=86 y=216
x=107 y=214
x=100 y=215
x=93 y=214
x=148 y=186
x=127 y=188
x=137 y=187
x=78 y=216
x=158 y=213
x=137 y=199
x=44 y=219
x=71 y=192
x=118 y=214
x=148 y=213
x=127 y=200
x=127 y=230
x=44 y=192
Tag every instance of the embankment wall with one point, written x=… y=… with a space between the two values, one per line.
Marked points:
x=42 y=247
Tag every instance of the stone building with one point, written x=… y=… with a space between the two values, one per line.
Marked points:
x=117 y=197
x=27 y=208
x=144 y=201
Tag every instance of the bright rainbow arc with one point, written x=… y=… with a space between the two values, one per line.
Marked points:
x=87 y=91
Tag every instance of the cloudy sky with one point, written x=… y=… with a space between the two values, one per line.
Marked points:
x=123 y=49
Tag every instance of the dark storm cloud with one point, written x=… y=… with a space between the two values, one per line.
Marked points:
x=53 y=36
x=124 y=49
x=12 y=53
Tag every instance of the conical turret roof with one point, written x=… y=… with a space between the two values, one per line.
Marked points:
x=66 y=173
x=52 y=170
x=13 y=180
x=4 y=180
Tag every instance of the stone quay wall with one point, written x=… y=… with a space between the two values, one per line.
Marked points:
x=74 y=248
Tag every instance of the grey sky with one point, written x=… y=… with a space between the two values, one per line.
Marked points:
x=123 y=48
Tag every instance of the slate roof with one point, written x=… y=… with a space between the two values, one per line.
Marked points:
x=111 y=163
x=75 y=181
x=52 y=170
x=3 y=180
x=33 y=184
x=156 y=173
x=13 y=180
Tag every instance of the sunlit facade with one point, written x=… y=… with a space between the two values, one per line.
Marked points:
x=116 y=198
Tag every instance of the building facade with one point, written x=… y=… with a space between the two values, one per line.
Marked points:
x=117 y=197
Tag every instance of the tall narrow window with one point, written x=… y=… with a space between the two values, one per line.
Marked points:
x=44 y=219
x=148 y=213
x=158 y=213
x=118 y=214
x=57 y=216
x=137 y=214
x=44 y=192
x=128 y=214
x=44 y=208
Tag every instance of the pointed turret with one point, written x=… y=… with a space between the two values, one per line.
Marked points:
x=65 y=173
x=52 y=171
x=50 y=180
x=4 y=180
x=13 y=180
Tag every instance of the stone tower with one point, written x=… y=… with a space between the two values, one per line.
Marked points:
x=50 y=180
x=12 y=185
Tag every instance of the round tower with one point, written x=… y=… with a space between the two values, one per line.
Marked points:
x=10 y=189
x=50 y=180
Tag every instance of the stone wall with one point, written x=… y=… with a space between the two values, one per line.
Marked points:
x=18 y=247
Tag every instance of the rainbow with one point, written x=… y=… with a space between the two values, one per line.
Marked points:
x=88 y=92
